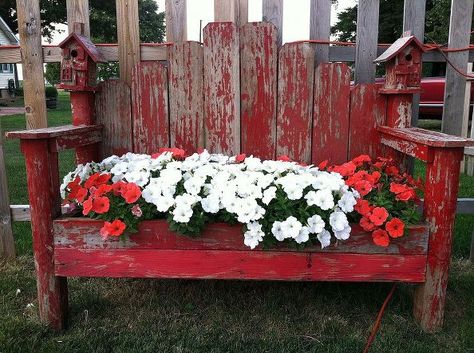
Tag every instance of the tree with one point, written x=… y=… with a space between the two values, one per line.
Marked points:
x=103 y=23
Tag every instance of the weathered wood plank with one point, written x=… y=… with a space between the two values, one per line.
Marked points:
x=454 y=90
x=29 y=29
x=128 y=37
x=258 y=88
x=414 y=21
x=176 y=20
x=367 y=111
x=186 y=97
x=78 y=11
x=7 y=242
x=215 y=264
x=52 y=290
x=409 y=148
x=231 y=11
x=222 y=87
x=52 y=132
x=272 y=11
x=319 y=27
x=113 y=111
x=331 y=113
x=295 y=101
x=150 y=107
x=83 y=233
x=366 y=40
x=441 y=187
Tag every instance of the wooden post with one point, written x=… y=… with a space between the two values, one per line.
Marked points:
x=414 y=21
x=272 y=11
x=29 y=28
x=43 y=192
x=176 y=21
x=128 y=37
x=459 y=37
x=78 y=11
x=366 y=40
x=319 y=28
x=441 y=174
x=231 y=11
x=7 y=243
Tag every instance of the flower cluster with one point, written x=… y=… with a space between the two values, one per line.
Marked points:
x=276 y=201
x=388 y=197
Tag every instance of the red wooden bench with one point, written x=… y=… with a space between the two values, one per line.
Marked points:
x=238 y=92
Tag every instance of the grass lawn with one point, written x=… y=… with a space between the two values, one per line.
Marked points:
x=221 y=316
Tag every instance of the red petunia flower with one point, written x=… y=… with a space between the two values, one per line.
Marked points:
x=379 y=216
x=392 y=170
x=380 y=237
x=284 y=158
x=102 y=190
x=115 y=228
x=87 y=206
x=363 y=187
x=323 y=164
x=178 y=153
x=97 y=179
x=131 y=193
x=240 y=158
x=100 y=204
x=406 y=195
x=81 y=194
x=119 y=187
x=397 y=188
x=376 y=176
x=395 y=227
x=363 y=207
x=346 y=169
x=366 y=224
x=363 y=158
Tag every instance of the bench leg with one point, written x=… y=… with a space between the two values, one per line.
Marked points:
x=43 y=191
x=441 y=188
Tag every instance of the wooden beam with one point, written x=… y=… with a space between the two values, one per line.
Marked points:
x=231 y=11
x=319 y=27
x=78 y=11
x=414 y=21
x=366 y=40
x=29 y=28
x=7 y=243
x=272 y=11
x=128 y=37
x=455 y=87
x=176 y=21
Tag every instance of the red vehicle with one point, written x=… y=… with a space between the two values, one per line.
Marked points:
x=432 y=96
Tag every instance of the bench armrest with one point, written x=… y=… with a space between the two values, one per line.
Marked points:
x=420 y=143
x=62 y=137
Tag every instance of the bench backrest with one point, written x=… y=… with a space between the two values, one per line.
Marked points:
x=238 y=92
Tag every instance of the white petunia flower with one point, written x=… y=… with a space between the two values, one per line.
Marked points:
x=182 y=214
x=316 y=224
x=343 y=234
x=324 y=238
x=347 y=202
x=338 y=221
x=303 y=235
x=277 y=231
x=210 y=204
x=269 y=195
x=291 y=227
x=324 y=199
x=254 y=234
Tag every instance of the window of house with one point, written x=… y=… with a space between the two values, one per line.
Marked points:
x=6 y=68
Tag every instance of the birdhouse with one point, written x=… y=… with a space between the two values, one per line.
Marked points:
x=79 y=58
x=402 y=65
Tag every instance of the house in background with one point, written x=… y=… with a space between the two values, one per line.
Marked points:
x=8 y=72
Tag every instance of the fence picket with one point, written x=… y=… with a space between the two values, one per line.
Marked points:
x=186 y=96
x=150 y=107
x=295 y=100
x=222 y=87
x=258 y=75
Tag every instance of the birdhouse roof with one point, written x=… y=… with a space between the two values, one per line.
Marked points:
x=397 y=47
x=85 y=43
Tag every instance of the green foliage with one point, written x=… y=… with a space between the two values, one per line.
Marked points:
x=102 y=17
x=50 y=92
x=52 y=73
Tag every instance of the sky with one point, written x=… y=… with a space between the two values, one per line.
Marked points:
x=295 y=17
